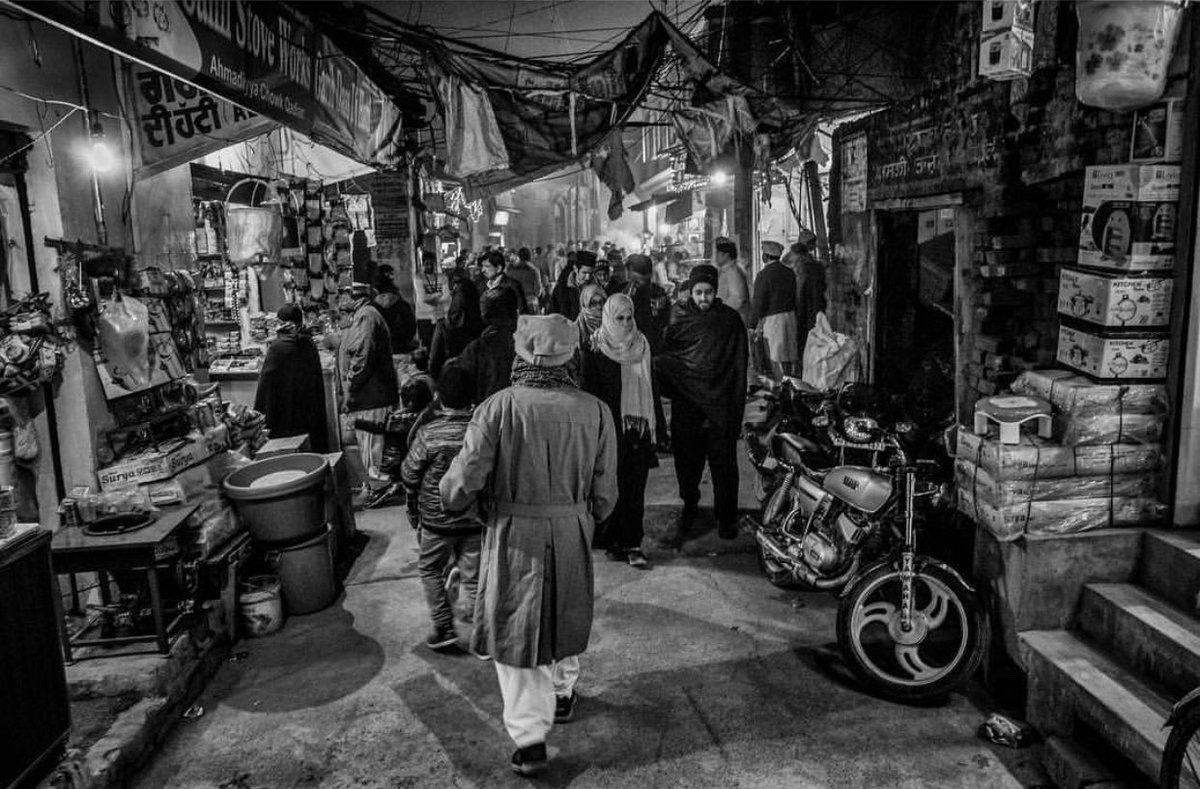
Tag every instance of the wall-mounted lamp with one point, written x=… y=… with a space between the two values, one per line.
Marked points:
x=500 y=219
x=99 y=155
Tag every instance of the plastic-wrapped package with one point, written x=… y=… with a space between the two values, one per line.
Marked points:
x=1100 y=428
x=1037 y=458
x=1063 y=516
x=125 y=340
x=1071 y=393
x=987 y=490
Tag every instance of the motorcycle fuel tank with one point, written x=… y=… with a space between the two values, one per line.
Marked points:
x=859 y=487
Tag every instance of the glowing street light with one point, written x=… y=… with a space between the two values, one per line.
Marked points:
x=99 y=155
x=719 y=178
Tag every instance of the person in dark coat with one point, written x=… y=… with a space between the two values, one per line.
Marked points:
x=773 y=311
x=493 y=268
x=702 y=368
x=369 y=385
x=488 y=359
x=810 y=286
x=398 y=313
x=291 y=391
x=462 y=324
x=565 y=298
x=615 y=366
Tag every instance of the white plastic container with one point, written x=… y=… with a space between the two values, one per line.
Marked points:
x=1124 y=50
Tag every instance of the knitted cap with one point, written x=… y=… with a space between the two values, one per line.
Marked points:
x=702 y=273
x=546 y=340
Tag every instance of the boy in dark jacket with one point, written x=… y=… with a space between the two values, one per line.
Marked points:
x=415 y=396
x=448 y=539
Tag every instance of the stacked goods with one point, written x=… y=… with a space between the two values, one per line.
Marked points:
x=1087 y=413
x=1039 y=487
x=1124 y=279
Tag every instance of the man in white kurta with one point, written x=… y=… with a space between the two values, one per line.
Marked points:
x=540 y=456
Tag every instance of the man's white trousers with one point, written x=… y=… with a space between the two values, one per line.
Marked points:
x=529 y=695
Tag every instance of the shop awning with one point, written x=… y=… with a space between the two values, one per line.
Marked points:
x=264 y=56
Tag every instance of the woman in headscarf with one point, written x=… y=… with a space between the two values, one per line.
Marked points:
x=591 y=312
x=463 y=323
x=615 y=366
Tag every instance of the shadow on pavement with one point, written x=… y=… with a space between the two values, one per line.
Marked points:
x=316 y=659
x=657 y=715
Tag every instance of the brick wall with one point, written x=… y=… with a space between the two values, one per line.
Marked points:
x=1016 y=152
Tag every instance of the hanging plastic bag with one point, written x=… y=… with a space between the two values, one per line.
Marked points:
x=125 y=341
x=830 y=358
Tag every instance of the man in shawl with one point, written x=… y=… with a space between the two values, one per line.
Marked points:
x=291 y=392
x=543 y=456
x=702 y=368
x=773 y=313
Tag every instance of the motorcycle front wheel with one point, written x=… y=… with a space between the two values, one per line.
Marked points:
x=940 y=651
x=1181 y=758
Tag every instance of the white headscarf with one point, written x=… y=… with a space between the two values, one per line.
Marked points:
x=627 y=346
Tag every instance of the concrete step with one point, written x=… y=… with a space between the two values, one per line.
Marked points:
x=1070 y=765
x=1170 y=567
x=1071 y=681
x=1145 y=632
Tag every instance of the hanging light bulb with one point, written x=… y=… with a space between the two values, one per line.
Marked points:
x=99 y=155
x=719 y=178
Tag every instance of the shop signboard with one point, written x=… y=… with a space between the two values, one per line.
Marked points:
x=263 y=56
x=854 y=174
x=177 y=122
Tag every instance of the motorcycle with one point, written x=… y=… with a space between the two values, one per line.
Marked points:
x=1181 y=756
x=910 y=626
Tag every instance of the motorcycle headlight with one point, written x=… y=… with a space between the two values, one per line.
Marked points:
x=860 y=429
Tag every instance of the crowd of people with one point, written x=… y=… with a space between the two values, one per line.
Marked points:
x=525 y=437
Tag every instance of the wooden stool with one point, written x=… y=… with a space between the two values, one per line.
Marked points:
x=1010 y=412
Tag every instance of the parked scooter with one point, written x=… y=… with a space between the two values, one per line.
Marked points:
x=847 y=521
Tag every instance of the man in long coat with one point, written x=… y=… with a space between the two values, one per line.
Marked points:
x=541 y=455
x=291 y=391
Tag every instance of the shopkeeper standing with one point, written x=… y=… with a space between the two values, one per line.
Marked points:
x=431 y=292
x=291 y=394
x=369 y=385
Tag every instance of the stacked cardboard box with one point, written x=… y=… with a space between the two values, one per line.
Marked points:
x=1124 y=276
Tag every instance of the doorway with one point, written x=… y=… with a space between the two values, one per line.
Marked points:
x=914 y=326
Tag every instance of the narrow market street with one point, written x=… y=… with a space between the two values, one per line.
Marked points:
x=699 y=674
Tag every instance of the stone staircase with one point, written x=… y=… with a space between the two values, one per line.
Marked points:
x=1101 y=692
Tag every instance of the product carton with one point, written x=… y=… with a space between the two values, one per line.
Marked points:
x=1001 y=15
x=166 y=462
x=1113 y=357
x=1113 y=300
x=1006 y=55
x=1157 y=132
x=1142 y=182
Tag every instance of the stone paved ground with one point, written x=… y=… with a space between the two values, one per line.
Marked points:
x=699 y=674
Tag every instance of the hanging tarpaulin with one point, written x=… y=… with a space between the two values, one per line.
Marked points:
x=548 y=117
x=473 y=142
x=609 y=162
x=708 y=130
x=177 y=123
x=263 y=56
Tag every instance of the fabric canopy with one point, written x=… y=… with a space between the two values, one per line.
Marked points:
x=546 y=119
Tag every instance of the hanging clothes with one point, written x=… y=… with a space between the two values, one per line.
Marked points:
x=473 y=141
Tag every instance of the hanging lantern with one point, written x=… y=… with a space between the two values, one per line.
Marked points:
x=1124 y=50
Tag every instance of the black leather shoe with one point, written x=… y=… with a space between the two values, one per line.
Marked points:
x=564 y=708
x=531 y=760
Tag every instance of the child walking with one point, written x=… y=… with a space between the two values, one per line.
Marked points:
x=448 y=539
